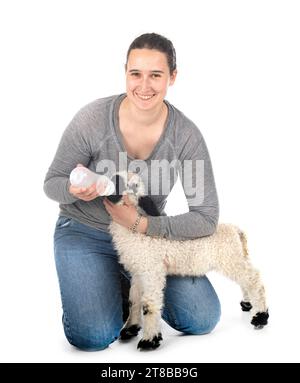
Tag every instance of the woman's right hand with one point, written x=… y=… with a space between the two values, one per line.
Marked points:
x=85 y=194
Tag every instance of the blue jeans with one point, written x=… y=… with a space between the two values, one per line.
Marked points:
x=94 y=290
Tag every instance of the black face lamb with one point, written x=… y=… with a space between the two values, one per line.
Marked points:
x=150 y=259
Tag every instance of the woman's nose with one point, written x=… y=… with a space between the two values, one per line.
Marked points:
x=145 y=83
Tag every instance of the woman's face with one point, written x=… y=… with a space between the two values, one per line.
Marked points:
x=147 y=78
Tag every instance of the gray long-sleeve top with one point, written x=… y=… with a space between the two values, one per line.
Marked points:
x=93 y=139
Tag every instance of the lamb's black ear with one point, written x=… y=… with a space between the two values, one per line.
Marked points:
x=119 y=188
x=149 y=207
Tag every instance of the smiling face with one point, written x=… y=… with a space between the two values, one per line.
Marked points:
x=147 y=78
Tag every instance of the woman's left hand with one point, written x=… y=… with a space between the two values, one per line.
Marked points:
x=124 y=215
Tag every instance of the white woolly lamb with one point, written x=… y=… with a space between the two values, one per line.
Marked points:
x=150 y=259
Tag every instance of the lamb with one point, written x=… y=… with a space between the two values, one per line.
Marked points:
x=150 y=259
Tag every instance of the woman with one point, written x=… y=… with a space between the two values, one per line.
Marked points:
x=141 y=129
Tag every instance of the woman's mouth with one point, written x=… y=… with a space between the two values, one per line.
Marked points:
x=145 y=97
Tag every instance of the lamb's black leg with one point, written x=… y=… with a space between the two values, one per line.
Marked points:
x=125 y=287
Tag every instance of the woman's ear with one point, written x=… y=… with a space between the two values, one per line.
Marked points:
x=149 y=207
x=173 y=77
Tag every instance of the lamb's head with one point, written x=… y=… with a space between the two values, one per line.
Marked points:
x=127 y=183
x=132 y=185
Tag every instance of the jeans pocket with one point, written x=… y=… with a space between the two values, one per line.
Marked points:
x=63 y=222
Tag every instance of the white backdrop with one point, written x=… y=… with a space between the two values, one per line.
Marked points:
x=238 y=80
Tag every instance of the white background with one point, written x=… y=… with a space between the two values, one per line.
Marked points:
x=238 y=80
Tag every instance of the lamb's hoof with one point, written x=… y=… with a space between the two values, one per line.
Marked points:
x=260 y=320
x=150 y=344
x=246 y=306
x=129 y=332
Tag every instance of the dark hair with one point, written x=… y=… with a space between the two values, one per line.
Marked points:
x=158 y=42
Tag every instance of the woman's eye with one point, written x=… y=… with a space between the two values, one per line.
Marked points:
x=136 y=74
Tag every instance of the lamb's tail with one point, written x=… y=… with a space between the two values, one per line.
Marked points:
x=243 y=239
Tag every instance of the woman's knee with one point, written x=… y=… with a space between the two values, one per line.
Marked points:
x=94 y=338
x=91 y=341
x=205 y=317
x=192 y=305
x=194 y=322
x=205 y=322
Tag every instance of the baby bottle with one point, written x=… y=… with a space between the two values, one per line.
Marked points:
x=83 y=177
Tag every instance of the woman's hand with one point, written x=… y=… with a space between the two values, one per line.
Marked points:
x=89 y=193
x=85 y=194
x=126 y=214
